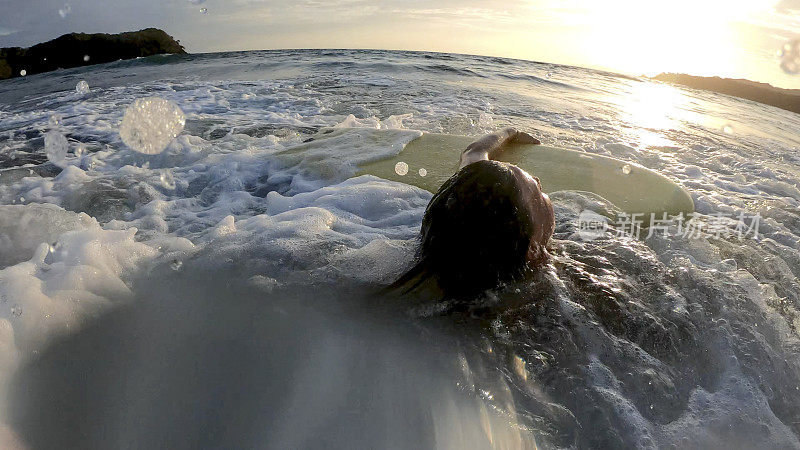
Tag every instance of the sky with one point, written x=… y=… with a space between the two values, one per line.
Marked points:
x=729 y=38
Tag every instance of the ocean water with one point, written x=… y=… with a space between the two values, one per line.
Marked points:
x=217 y=296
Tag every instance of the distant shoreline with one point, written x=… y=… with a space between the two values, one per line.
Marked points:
x=787 y=99
x=81 y=49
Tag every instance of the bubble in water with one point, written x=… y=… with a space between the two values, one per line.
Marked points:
x=549 y=75
x=203 y=10
x=85 y=58
x=16 y=310
x=54 y=120
x=55 y=147
x=727 y=129
x=82 y=87
x=150 y=124
x=176 y=265
x=790 y=57
x=80 y=150
x=401 y=168
x=422 y=172
x=64 y=12
x=23 y=72
x=167 y=180
x=626 y=169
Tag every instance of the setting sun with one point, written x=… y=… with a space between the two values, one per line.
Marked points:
x=702 y=38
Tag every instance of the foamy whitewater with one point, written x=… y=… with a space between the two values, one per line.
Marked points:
x=216 y=295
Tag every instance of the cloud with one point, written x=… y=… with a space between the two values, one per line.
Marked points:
x=783 y=20
x=468 y=13
x=788 y=6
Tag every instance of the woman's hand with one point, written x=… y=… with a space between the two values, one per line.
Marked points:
x=524 y=138
x=489 y=146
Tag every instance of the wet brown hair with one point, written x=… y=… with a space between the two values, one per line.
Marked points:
x=477 y=232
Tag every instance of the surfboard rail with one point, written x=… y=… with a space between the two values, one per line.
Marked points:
x=632 y=188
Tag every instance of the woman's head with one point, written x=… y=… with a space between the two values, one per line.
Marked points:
x=487 y=224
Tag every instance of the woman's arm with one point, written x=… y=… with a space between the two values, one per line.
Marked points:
x=489 y=146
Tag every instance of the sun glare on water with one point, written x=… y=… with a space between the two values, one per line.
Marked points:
x=653 y=109
x=653 y=106
x=703 y=37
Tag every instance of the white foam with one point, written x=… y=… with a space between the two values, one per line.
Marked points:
x=737 y=412
x=391 y=123
x=362 y=222
x=57 y=268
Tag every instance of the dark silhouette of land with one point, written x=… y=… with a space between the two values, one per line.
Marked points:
x=788 y=99
x=72 y=50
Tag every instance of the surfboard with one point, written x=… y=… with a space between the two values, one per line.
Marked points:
x=431 y=158
x=632 y=188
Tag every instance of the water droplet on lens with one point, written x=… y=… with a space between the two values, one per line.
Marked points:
x=626 y=169
x=167 y=180
x=85 y=58
x=401 y=168
x=55 y=147
x=790 y=57
x=82 y=87
x=422 y=172
x=23 y=72
x=150 y=124
x=64 y=12
x=485 y=120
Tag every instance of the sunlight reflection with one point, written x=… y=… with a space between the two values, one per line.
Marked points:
x=653 y=109
x=651 y=105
